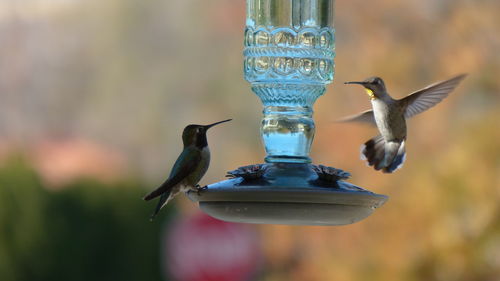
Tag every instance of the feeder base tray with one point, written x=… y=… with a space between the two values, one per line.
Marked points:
x=290 y=194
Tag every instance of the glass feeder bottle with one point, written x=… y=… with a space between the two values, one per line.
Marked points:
x=289 y=52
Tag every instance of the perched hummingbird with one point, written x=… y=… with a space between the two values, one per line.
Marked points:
x=386 y=151
x=189 y=168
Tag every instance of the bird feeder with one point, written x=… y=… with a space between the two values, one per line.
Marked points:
x=289 y=50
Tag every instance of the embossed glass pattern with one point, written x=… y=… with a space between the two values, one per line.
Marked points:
x=289 y=52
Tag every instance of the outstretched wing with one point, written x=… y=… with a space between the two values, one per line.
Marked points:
x=429 y=96
x=363 y=117
x=184 y=165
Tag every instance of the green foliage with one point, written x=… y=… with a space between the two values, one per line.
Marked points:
x=86 y=231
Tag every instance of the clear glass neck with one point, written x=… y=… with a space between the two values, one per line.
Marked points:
x=289 y=52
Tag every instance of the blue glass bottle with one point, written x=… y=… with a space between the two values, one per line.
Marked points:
x=289 y=52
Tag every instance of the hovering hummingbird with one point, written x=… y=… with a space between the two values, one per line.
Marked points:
x=386 y=151
x=189 y=168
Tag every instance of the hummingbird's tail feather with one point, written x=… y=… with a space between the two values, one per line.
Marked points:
x=382 y=155
x=391 y=149
x=373 y=151
x=164 y=199
x=164 y=188
x=398 y=160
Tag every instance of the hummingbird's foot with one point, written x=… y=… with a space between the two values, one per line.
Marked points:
x=199 y=189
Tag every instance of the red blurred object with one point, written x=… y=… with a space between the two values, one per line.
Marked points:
x=201 y=248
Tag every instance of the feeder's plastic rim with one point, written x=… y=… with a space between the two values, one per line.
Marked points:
x=233 y=191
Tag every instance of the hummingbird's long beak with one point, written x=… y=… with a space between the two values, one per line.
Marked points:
x=355 y=82
x=365 y=85
x=216 y=123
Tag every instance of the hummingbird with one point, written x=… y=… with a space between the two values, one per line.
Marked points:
x=189 y=168
x=386 y=151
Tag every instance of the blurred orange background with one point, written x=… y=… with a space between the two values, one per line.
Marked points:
x=102 y=90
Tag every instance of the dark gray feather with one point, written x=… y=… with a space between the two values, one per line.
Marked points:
x=163 y=201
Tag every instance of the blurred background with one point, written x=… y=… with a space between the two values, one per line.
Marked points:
x=94 y=96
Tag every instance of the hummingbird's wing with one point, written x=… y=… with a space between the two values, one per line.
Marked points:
x=184 y=165
x=429 y=96
x=363 y=117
